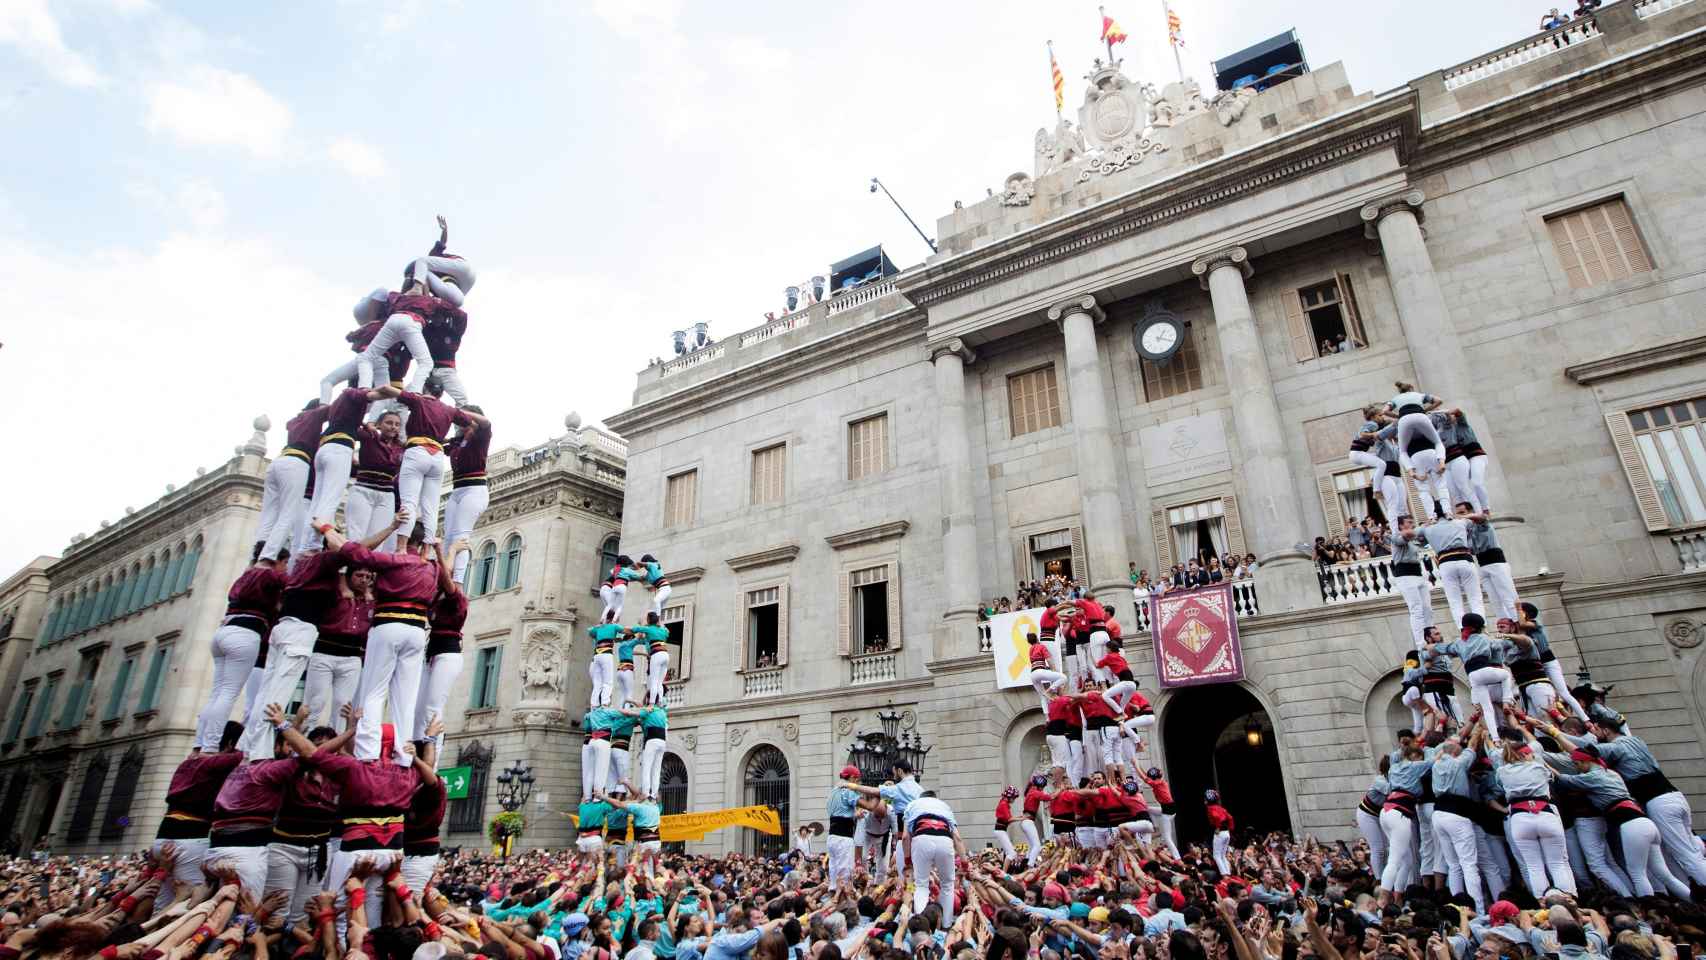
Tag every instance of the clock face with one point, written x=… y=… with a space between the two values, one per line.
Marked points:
x=1160 y=338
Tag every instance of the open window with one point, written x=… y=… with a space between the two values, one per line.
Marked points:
x=1322 y=319
x=766 y=628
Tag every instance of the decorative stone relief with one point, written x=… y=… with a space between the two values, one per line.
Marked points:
x=1115 y=109
x=790 y=731
x=542 y=676
x=736 y=736
x=1683 y=633
x=691 y=742
x=844 y=726
x=908 y=719
x=1056 y=150
x=1229 y=105
x=1120 y=156
x=1018 y=190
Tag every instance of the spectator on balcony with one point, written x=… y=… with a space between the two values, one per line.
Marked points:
x=1250 y=565
x=1356 y=534
x=1214 y=573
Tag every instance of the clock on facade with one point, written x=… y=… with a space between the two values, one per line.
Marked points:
x=1157 y=334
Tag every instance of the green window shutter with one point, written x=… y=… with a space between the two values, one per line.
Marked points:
x=151 y=686
x=121 y=686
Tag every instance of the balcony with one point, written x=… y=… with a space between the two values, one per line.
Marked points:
x=675 y=696
x=1652 y=8
x=761 y=683
x=839 y=303
x=1528 y=50
x=873 y=667
x=1690 y=550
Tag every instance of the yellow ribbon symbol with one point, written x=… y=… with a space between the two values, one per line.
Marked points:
x=1020 y=636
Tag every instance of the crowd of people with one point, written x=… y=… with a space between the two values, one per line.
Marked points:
x=1362 y=539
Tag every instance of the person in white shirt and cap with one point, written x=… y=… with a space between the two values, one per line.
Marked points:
x=936 y=843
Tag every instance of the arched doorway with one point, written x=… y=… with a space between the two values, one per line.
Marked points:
x=768 y=783
x=672 y=792
x=1219 y=737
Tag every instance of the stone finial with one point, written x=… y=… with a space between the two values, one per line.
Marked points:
x=955 y=346
x=129 y=510
x=171 y=488
x=572 y=421
x=201 y=471
x=105 y=524
x=1236 y=257
x=78 y=538
x=1373 y=213
x=257 y=445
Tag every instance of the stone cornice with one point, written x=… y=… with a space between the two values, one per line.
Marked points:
x=874 y=534
x=862 y=697
x=685 y=575
x=138 y=531
x=1637 y=361
x=1236 y=257
x=1631 y=588
x=763 y=558
x=836 y=350
x=1620 y=83
x=1391 y=120
x=1373 y=213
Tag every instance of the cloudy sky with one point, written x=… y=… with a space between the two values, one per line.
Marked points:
x=194 y=194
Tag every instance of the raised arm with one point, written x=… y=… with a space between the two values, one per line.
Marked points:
x=443 y=238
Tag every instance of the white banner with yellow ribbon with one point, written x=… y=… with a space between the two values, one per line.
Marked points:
x=1009 y=641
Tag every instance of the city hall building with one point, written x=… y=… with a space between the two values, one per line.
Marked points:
x=833 y=493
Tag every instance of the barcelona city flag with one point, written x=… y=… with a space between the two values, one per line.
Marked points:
x=1111 y=32
x=1059 y=81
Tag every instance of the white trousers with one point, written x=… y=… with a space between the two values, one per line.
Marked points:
x=1059 y=753
x=1460 y=478
x=1430 y=860
x=657 y=668
x=933 y=853
x=1494 y=857
x=288 y=649
x=1098 y=650
x=291 y=868
x=1169 y=834
x=433 y=272
x=651 y=767
x=462 y=511
x=344 y=373
x=234 y=650
x=1033 y=843
x=399 y=328
x=1590 y=833
x=1555 y=673
x=391 y=674
x=612 y=595
x=369 y=511
x=1430 y=488
x=420 y=483
x=437 y=677
x=1400 y=850
x=1455 y=837
x=620 y=760
x=1462 y=590
x=1118 y=695
x=1369 y=826
x=1222 y=840
x=186 y=869
x=1478 y=482
x=451 y=381
x=876 y=851
x=281 y=500
x=250 y=864
x=1500 y=589
x=1044 y=680
x=595 y=767
x=1412 y=698
x=1670 y=813
x=1412 y=425
x=338 y=868
x=1393 y=498
x=417 y=873
x=1485 y=686
x=840 y=861
x=332 y=682
x=602 y=670
x=1418 y=599
x=1537 y=697
x=1643 y=851
x=331 y=477
x=659 y=595
x=1540 y=849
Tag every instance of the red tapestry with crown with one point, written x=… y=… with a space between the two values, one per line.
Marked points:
x=1196 y=637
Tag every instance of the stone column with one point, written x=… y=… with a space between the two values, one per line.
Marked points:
x=1267 y=492
x=956 y=635
x=1097 y=450
x=1442 y=368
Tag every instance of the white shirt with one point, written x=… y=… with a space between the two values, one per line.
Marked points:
x=929 y=806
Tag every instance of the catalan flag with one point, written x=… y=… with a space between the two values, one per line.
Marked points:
x=1059 y=81
x=1173 y=28
x=1111 y=32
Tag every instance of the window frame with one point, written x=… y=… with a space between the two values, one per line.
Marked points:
x=682 y=663
x=747 y=657
x=487 y=680
x=670 y=518
x=1053 y=390
x=1626 y=437
x=1161 y=527
x=121 y=685
x=149 y=701
x=848 y=642
x=1636 y=261
x=851 y=423
x=775 y=492
x=1649 y=229
x=1148 y=369
x=509 y=562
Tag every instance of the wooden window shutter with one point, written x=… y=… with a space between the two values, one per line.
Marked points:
x=1234 y=525
x=1021 y=558
x=1080 y=564
x=1353 y=316
x=1565 y=246
x=1628 y=241
x=1640 y=481
x=894 y=605
x=844 y=627
x=1163 y=542
x=1330 y=503
x=1297 y=327
x=1581 y=232
x=743 y=614
x=782 y=626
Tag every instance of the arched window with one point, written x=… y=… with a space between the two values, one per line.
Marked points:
x=146 y=596
x=83 y=813
x=768 y=784
x=607 y=555
x=509 y=569
x=121 y=595
x=138 y=580
x=484 y=566
x=124 y=792
x=672 y=792
x=186 y=575
x=82 y=611
x=103 y=600
x=168 y=572
x=53 y=619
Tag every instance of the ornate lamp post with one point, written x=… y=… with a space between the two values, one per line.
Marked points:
x=875 y=754
x=515 y=785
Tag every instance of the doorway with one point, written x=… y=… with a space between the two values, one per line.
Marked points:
x=1219 y=737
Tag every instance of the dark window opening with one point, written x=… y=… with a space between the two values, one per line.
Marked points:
x=871 y=617
x=763 y=632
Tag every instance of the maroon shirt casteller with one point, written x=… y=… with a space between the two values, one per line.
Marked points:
x=421 y=822
x=449 y=613
x=430 y=420
x=405 y=587
x=312 y=587
x=343 y=418
x=377 y=461
x=309 y=813
x=302 y=432
x=369 y=791
x=194 y=790
x=249 y=799
x=343 y=630
x=253 y=600
x=468 y=456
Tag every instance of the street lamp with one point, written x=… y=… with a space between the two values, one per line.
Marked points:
x=514 y=786
x=875 y=754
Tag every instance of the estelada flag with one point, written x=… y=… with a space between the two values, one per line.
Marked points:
x=1111 y=32
x=1059 y=81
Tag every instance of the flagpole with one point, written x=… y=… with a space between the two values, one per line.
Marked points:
x=1105 y=39
x=1167 y=13
x=1051 y=67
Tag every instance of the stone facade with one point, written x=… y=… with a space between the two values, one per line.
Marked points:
x=1433 y=210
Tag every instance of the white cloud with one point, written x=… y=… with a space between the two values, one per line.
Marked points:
x=358 y=158
x=29 y=26
x=195 y=202
x=213 y=107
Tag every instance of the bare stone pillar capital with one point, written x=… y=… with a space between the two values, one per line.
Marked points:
x=1235 y=257
x=954 y=346
x=1084 y=303
x=1373 y=213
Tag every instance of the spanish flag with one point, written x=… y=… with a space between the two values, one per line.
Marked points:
x=1173 y=28
x=1059 y=81
x=1111 y=32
